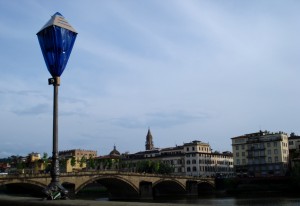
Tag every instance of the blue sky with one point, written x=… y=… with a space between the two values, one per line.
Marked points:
x=189 y=70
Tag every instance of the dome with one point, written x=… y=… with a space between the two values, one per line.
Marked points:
x=114 y=152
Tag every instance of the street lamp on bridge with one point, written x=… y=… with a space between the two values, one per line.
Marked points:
x=56 y=40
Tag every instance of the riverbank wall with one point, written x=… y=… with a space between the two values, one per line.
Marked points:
x=6 y=200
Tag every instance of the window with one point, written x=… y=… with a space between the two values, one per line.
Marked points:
x=243 y=154
x=193 y=148
x=269 y=152
x=276 y=158
x=268 y=144
x=275 y=151
x=187 y=149
x=237 y=154
x=237 y=147
x=243 y=146
x=188 y=169
x=237 y=161
x=193 y=161
x=194 y=169
x=275 y=144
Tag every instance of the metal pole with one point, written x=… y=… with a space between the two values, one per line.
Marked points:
x=55 y=160
x=55 y=190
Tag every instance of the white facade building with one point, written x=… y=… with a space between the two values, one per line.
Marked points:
x=201 y=161
x=261 y=154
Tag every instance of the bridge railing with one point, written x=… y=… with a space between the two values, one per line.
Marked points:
x=102 y=172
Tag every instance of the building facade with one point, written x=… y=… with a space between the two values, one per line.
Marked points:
x=193 y=159
x=200 y=161
x=294 y=150
x=294 y=142
x=75 y=159
x=261 y=154
x=108 y=162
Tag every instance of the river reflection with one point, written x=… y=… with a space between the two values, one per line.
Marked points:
x=229 y=201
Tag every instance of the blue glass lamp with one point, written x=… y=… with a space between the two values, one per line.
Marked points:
x=56 y=39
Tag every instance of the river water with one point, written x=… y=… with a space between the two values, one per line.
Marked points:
x=241 y=201
x=230 y=201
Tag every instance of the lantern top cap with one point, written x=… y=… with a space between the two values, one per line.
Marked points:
x=58 y=20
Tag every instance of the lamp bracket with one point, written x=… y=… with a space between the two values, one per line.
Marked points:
x=55 y=81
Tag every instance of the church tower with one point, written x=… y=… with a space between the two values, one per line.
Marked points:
x=149 y=141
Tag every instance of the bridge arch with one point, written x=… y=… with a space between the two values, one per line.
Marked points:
x=24 y=187
x=205 y=187
x=118 y=187
x=24 y=181
x=167 y=187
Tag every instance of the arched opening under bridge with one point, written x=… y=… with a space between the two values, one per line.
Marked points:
x=205 y=188
x=24 y=189
x=167 y=188
x=114 y=188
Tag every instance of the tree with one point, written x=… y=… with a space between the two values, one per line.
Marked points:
x=82 y=161
x=156 y=167
x=91 y=162
x=73 y=161
x=45 y=160
x=45 y=156
x=165 y=168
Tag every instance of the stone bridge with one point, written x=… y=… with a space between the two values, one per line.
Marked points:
x=120 y=185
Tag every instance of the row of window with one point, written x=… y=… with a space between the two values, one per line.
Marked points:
x=202 y=161
x=260 y=145
x=209 y=169
x=208 y=155
x=260 y=153
x=204 y=149
x=260 y=160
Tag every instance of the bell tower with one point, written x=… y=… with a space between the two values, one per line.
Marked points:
x=149 y=141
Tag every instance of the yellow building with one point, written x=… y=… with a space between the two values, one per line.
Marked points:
x=75 y=159
x=32 y=157
x=261 y=154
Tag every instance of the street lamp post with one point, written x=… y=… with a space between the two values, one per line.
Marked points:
x=56 y=40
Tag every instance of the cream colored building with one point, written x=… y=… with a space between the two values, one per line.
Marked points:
x=261 y=154
x=192 y=159
x=80 y=157
x=174 y=156
x=201 y=161
x=32 y=157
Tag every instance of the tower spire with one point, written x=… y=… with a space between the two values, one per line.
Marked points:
x=149 y=140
